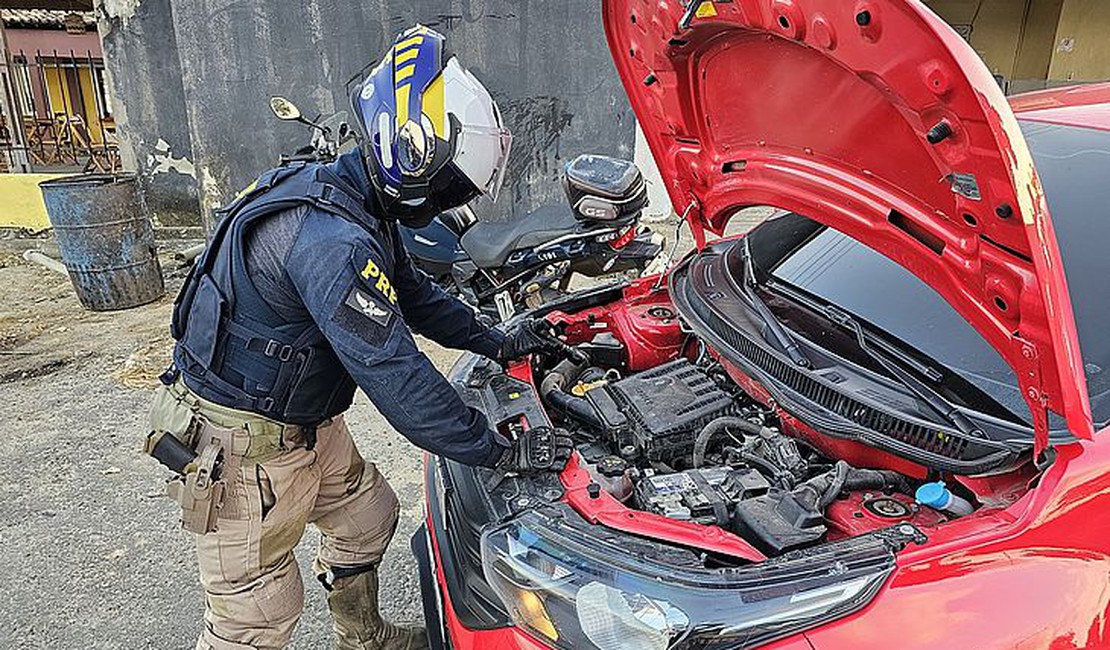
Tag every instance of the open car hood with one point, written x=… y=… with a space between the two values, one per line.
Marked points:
x=875 y=118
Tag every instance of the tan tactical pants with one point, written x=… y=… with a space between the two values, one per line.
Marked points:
x=253 y=588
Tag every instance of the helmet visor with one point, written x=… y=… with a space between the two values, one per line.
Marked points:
x=483 y=156
x=482 y=146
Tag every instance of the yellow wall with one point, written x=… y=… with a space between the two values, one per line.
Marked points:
x=21 y=203
x=996 y=29
x=1015 y=38
x=1087 y=24
x=61 y=100
x=1039 y=40
x=1030 y=40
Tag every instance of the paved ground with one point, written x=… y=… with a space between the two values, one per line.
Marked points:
x=90 y=554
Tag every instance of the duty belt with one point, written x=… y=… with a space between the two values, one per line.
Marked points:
x=254 y=438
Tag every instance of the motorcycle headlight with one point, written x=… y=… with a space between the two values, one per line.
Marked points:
x=614 y=592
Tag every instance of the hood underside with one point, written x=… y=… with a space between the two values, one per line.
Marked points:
x=875 y=118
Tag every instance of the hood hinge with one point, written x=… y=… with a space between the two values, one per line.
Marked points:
x=688 y=16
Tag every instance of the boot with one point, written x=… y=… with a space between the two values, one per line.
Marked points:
x=357 y=623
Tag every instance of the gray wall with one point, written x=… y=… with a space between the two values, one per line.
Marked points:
x=545 y=62
x=149 y=105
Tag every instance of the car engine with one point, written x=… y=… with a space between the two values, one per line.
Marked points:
x=683 y=441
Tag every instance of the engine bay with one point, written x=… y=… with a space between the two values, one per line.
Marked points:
x=682 y=441
x=665 y=428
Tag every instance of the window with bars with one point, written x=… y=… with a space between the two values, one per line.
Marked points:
x=21 y=76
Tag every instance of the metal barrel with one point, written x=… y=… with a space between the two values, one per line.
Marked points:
x=106 y=239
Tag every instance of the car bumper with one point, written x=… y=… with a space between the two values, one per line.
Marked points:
x=429 y=589
x=445 y=632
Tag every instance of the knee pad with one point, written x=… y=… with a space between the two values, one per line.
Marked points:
x=331 y=575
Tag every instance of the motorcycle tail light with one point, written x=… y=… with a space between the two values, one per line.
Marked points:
x=624 y=239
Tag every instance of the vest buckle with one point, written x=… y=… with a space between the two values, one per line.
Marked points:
x=274 y=349
x=323 y=194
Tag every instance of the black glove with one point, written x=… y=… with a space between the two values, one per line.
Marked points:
x=530 y=335
x=542 y=449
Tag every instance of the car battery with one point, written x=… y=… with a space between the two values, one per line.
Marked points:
x=704 y=496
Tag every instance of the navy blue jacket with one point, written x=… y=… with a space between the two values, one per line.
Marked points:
x=319 y=300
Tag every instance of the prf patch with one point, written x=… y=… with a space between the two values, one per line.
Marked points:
x=364 y=304
x=373 y=274
x=366 y=315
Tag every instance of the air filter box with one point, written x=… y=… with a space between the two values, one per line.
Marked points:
x=664 y=409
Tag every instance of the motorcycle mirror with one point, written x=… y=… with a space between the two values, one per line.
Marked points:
x=285 y=110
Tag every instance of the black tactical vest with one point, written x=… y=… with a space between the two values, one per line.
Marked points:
x=232 y=348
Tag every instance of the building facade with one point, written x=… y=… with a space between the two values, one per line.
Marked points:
x=57 y=106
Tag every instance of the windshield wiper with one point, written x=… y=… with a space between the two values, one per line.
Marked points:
x=778 y=332
x=927 y=394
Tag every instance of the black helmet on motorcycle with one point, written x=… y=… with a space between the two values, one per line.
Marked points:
x=433 y=138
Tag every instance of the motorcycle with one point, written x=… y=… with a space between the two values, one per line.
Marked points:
x=504 y=267
x=521 y=263
x=329 y=136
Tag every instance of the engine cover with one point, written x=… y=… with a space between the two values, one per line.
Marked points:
x=663 y=409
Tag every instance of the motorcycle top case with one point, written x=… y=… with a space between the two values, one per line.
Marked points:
x=600 y=188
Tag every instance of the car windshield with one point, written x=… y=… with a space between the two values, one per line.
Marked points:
x=839 y=270
x=1073 y=164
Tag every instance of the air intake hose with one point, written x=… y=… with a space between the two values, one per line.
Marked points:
x=719 y=427
x=819 y=491
x=553 y=392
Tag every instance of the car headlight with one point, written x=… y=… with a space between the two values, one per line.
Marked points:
x=609 y=591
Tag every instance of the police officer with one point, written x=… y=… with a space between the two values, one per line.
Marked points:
x=304 y=293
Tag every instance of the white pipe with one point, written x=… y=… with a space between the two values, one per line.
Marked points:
x=187 y=256
x=46 y=261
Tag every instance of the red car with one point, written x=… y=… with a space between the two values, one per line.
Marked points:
x=870 y=422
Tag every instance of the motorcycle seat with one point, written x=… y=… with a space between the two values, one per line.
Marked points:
x=489 y=243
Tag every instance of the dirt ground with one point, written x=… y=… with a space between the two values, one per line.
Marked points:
x=90 y=551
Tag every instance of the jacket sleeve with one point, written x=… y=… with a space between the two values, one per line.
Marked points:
x=431 y=311
x=362 y=321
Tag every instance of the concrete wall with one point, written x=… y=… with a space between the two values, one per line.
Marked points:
x=547 y=65
x=1082 y=44
x=141 y=57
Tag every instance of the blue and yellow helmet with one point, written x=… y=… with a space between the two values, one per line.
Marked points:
x=433 y=136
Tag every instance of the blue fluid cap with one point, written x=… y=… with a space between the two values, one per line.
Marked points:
x=934 y=495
